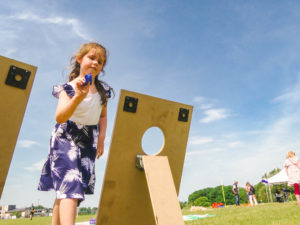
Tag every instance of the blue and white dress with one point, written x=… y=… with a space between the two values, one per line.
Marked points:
x=70 y=166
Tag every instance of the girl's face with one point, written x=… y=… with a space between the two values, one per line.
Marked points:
x=91 y=62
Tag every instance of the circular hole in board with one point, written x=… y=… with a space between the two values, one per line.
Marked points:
x=153 y=141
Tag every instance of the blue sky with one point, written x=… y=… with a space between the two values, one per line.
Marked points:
x=236 y=62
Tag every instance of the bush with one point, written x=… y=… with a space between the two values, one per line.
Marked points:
x=202 y=201
x=17 y=214
x=87 y=211
x=183 y=204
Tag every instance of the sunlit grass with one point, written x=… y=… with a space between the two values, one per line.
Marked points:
x=265 y=214
x=40 y=220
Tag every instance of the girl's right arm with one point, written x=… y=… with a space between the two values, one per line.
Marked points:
x=67 y=105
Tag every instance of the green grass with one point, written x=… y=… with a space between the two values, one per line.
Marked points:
x=266 y=214
x=40 y=220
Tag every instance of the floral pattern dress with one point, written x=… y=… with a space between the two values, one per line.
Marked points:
x=70 y=166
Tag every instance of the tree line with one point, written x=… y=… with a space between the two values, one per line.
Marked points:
x=87 y=211
x=207 y=196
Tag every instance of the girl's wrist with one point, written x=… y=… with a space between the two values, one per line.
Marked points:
x=77 y=99
x=101 y=136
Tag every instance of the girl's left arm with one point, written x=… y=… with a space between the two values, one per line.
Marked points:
x=286 y=167
x=102 y=133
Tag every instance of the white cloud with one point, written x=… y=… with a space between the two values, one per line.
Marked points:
x=203 y=102
x=36 y=166
x=291 y=95
x=235 y=144
x=204 y=151
x=199 y=99
x=195 y=140
x=10 y=51
x=207 y=106
x=267 y=147
x=255 y=132
x=26 y=143
x=214 y=114
x=72 y=22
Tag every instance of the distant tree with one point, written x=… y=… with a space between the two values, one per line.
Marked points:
x=39 y=207
x=202 y=201
x=84 y=211
x=87 y=211
x=215 y=194
x=94 y=210
x=271 y=173
x=183 y=204
x=17 y=214
x=243 y=196
x=203 y=192
x=260 y=192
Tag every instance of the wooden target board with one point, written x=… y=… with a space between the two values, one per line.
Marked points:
x=149 y=195
x=16 y=79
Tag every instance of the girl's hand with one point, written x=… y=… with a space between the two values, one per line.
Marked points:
x=100 y=148
x=80 y=90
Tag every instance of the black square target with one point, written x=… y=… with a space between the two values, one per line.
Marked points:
x=183 y=115
x=17 y=77
x=130 y=104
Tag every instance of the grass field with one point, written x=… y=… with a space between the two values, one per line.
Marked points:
x=266 y=214
x=40 y=220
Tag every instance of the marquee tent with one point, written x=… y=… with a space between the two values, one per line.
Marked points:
x=279 y=178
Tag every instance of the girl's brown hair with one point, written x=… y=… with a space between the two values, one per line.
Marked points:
x=103 y=88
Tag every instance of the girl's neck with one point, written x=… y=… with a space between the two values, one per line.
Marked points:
x=93 y=89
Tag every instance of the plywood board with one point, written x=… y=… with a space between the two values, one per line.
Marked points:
x=13 y=102
x=163 y=194
x=125 y=198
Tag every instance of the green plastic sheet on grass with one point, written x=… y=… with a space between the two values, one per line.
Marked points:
x=196 y=217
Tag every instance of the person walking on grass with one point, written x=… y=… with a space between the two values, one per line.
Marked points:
x=292 y=168
x=251 y=194
x=235 y=191
x=31 y=211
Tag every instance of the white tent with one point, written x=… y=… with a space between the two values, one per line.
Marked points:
x=279 y=178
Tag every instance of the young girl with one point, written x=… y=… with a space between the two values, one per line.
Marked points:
x=78 y=136
x=251 y=194
x=292 y=167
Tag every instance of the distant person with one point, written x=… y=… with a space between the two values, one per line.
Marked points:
x=31 y=211
x=235 y=191
x=286 y=194
x=292 y=168
x=278 y=195
x=251 y=194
